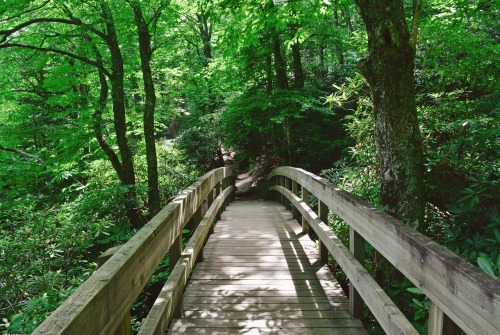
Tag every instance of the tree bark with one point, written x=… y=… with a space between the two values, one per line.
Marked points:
x=298 y=71
x=119 y=119
x=389 y=72
x=279 y=63
x=154 y=203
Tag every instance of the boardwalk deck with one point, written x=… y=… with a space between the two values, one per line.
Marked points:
x=261 y=275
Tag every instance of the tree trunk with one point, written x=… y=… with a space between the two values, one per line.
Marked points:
x=279 y=63
x=336 y=21
x=154 y=204
x=298 y=71
x=205 y=29
x=119 y=119
x=269 y=73
x=389 y=72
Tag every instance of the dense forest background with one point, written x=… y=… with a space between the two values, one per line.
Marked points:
x=110 y=108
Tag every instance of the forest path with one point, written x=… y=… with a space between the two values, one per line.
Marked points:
x=261 y=275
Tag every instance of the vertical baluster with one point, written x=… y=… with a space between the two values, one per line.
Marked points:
x=305 y=199
x=174 y=254
x=295 y=190
x=357 y=247
x=323 y=215
x=440 y=323
x=217 y=192
x=282 y=197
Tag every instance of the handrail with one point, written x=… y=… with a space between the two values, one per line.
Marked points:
x=100 y=303
x=456 y=288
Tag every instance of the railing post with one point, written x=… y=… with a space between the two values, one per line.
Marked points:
x=305 y=199
x=282 y=197
x=295 y=190
x=357 y=248
x=174 y=254
x=323 y=215
x=125 y=327
x=275 y=194
x=217 y=192
x=440 y=323
x=197 y=217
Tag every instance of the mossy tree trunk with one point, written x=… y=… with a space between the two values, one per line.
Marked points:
x=389 y=72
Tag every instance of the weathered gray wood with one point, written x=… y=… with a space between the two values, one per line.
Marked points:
x=323 y=216
x=99 y=304
x=169 y=303
x=436 y=317
x=357 y=247
x=464 y=293
x=267 y=315
x=305 y=199
x=388 y=315
x=295 y=190
x=125 y=327
x=246 y=282
x=174 y=252
x=107 y=255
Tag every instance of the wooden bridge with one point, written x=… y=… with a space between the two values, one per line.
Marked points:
x=256 y=271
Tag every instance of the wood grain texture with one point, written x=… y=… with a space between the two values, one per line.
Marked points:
x=391 y=319
x=465 y=294
x=261 y=275
x=99 y=304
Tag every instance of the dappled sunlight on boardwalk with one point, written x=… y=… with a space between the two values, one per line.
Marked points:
x=261 y=276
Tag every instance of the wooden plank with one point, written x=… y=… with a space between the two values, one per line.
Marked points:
x=262 y=293
x=169 y=302
x=276 y=323
x=99 y=304
x=228 y=288
x=388 y=315
x=464 y=293
x=344 y=306
x=247 y=282
x=357 y=248
x=258 y=300
x=180 y=328
x=267 y=315
x=305 y=199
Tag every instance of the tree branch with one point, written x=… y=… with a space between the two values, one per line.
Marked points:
x=20 y=152
x=25 y=12
x=417 y=10
x=8 y=32
x=61 y=52
x=97 y=32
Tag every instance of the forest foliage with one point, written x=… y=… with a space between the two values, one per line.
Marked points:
x=110 y=108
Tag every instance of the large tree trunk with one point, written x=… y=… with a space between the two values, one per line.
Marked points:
x=154 y=204
x=119 y=119
x=279 y=63
x=298 y=71
x=389 y=71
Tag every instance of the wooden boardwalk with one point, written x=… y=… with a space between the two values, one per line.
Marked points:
x=261 y=275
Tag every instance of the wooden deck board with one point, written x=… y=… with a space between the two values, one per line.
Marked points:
x=261 y=275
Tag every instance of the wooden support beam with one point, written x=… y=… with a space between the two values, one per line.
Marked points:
x=295 y=190
x=125 y=327
x=174 y=252
x=439 y=323
x=357 y=247
x=323 y=216
x=468 y=296
x=305 y=199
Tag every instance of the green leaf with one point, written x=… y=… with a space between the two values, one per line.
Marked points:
x=415 y=290
x=485 y=265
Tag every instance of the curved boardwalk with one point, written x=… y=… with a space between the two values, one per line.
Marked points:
x=261 y=275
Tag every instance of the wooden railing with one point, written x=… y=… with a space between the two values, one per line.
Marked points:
x=101 y=303
x=457 y=290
